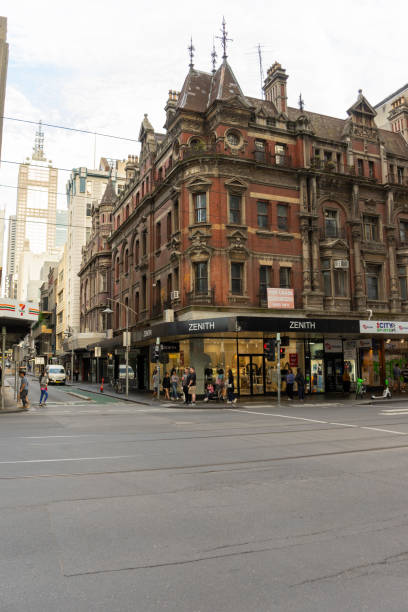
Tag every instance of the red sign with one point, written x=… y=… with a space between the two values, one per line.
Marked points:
x=293 y=360
x=282 y=299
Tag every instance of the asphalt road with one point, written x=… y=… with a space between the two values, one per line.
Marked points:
x=121 y=507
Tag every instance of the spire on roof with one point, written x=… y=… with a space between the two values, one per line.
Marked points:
x=301 y=102
x=213 y=59
x=110 y=195
x=191 y=50
x=38 y=149
x=224 y=39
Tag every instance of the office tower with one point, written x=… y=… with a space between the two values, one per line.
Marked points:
x=61 y=228
x=4 y=48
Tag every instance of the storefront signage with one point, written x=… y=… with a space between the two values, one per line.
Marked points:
x=289 y=324
x=349 y=349
x=170 y=347
x=333 y=346
x=293 y=360
x=380 y=327
x=282 y=299
x=147 y=333
x=39 y=361
x=365 y=343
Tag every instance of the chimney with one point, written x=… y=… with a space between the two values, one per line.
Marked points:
x=131 y=167
x=171 y=104
x=275 y=87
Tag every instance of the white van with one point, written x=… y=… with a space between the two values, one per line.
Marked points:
x=56 y=374
x=122 y=371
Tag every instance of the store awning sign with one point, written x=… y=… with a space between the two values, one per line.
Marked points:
x=402 y=327
x=333 y=346
x=380 y=327
x=281 y=299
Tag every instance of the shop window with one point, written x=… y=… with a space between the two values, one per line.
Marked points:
x=280 y=152
x=200 y=207
x=284 y=278
x=373 y=274
x=403 y=228
x=402 y=275
x=331 y=223
x=283 y=213
x=201 y=277
x=262 y=214
x=168 y=226
x=237 y=273
x=158 y=235
x=235 y=209
x=370 y=228
x=265 y=276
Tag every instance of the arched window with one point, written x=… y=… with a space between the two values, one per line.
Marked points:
x=125 y=312
x=127 y=211
x=117 y=316
x=117 y=268
x=137 y=253
x=126 y=262
x=137 y=305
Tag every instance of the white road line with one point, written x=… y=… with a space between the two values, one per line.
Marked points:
x=286 y=416
x=387 y=411
x=282 y=416
x=401 y=433
x=70 y=459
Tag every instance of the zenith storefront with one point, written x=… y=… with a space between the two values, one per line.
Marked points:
x=322 y=348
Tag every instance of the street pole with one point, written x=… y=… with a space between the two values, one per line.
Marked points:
x=72 y=365
x=158 y=366
x=278 y=345
x=3 y=333
x=127 y=351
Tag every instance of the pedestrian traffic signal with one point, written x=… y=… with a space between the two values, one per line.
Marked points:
x=282 y=352
x=154 y=353
x=269 y=349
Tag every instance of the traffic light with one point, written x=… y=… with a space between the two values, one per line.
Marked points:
x=269 y=349
x=282 y=352
x=154 y=353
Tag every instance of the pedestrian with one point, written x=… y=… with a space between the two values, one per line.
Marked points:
x=346 y=381
x=220 y=382
x=166 y=386
x=174 y=379
x=184 y=383
x=23 y=391
x=231 y=399
x=397 y=377
x=192 y=385
x=156 y=384
x=404 y=374
x=76 y=374
x=290 y=379
x=300 y=381
x=44 y=388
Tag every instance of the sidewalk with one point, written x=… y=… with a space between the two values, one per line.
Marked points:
x=145 y=398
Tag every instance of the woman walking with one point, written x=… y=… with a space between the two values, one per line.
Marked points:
x=231 y=399
x=156 y=384
x=174 y=379
x=184 y=382
x=220 y=382
x=44 y=388
x=166 y=386
x=290 y=379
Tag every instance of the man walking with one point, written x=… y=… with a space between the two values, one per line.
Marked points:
x=300 y=381
x=397 y=378
x=23 y=392
x=192 y=382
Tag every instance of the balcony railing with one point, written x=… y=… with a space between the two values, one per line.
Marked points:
x=196 y=297
x=198 y=150
x=272 y=159
x=332 y=233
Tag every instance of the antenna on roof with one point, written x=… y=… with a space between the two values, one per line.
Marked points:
x=301 y=102
x=261 y=72
x=224 y=39
x=191 y=50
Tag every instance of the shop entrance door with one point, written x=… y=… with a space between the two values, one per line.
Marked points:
x=251 y=379
x=333 y=372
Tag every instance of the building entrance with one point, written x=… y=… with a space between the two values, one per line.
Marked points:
x=251 y=379
x=333 y=372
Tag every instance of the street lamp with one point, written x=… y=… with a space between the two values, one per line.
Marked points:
x=68 y=333
x=110 y=311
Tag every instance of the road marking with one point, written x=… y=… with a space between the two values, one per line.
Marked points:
x=286 y=416
x=401 y=433
x=69 y=459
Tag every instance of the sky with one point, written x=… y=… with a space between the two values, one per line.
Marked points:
x=100 y=65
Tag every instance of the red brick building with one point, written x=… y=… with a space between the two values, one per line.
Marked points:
x=240 y=195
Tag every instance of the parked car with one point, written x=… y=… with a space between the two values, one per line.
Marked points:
x=56 y=374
